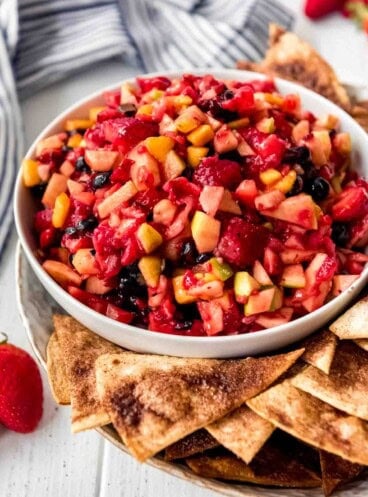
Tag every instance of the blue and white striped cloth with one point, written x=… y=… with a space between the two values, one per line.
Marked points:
x=42 y=41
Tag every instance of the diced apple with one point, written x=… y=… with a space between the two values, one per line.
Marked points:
x=180 y=293
x=116 y=199
x=149 y=238
x=244 y=149
x=220 y=269
x=84 y=262
x=224 y=140
x=144 y=171
x=97 y=286
x=212 y=316
x=205 y=232
x=266 y=125
x=53 y=141
x=87 y=198
x=159 y=146
x=207 y=290
x=228 y=204
x=67 y=168
x=173 y=165
x=167 y=125
x=277 y=318
x=293 y=276
x=210 y=198
x=164 y=212
x=342 y=143
x=244 y=286
x=269 y=200
x=341 y=282
x=300 y=130
x=75 y=187
x=101 y=160
x=316 y=301
x=127 y=95
x=150 y=267
x=190 y=119
x=56 y=185
x=62 y=273
x=298 y=209
x=294 y=256
x=261 y=275
x=260 y=302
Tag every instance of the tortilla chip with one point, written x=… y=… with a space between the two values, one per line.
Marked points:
x=272 y=467
x=363 y=343
x=57 y=371
x=353 y=323
x=243 y=432
x=346 y=387
x=313 y=421
x=336 y=471
x=320 y=350
x=195 y=443
x=155 y=401
x=80 y=349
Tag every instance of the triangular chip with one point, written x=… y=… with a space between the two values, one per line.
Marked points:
x=242 y=431
x=353 y=323
x=155 y=401
x=363 y=344
x=313 y=421
x=336 y=471
x=346 y=387
x=271 y=467
x=195 y=443
x=80 y=348
x=320 y=350
x=57 y=371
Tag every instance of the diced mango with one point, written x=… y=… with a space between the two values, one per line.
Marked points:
x=72 y=124
x=266 y=125
x=150 y=267
x=287 y=182
x=93 y=113
x=74 y=140
x=149 y=238
x=196 y=154
x=342 y=142
x=85 y=262
x=61 y=210
x=159 y=146
x=201 y=135
x=270 y=176
x=152 y=95
x=145 y=110
x=239 y=123
x=30 y=172
x=273 y=99
x=190 y=119
x=180 y=294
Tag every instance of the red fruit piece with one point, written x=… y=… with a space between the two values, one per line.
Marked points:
x=180 y=189
x=213 y=171
x=21 y=394
x=242 y=243
x=94 y=138
x=242 y=101
x=43 y=220
x=159 y=82
x=126 y=132
x=352 y=204
x=315 y=9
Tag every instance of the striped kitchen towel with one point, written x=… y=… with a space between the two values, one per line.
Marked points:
x=42 y=41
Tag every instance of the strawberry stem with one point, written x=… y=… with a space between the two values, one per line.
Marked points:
x=3 y=338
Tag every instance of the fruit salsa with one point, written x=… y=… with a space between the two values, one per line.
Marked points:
x=199 y=207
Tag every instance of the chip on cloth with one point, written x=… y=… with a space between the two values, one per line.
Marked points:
x=346 y=387
x=353 y=323
x=320 y=350
x=272 y=467
x=313 y=421
x=155 y=401
x=195 y=443
x=80 y=348
x=336 y=471
x=242 y=431
x=363 y=343
x=57 y=371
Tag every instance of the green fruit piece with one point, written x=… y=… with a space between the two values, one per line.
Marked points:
x=180 y=293
x=205 y=232
x=260 y=302
x=244 y=286
x=149 y=238
x=261 y=275
x=173 y=165
x=221 y=270
x=150 y=267
x=293 y=276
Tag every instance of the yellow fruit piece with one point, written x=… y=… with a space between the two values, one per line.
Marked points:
x=145 y=110
x=336 y=184
x=61 y=209
x=179 y=101
x=239 y=123
x=273 y=99
x=342 y=142
x=190 y=119
x=328 y=121
x=75 y=140
x=72 y=124
x=150 y=267
x=205 y=232
x=323 y=137
x=180 y=294
x=266 y=125
x=196 y=154
x=149 y=238
x=53 y=141
x=93 y=113
x=270 y=176
x=127 y=95
x=30 y=172
x=287 y=182
x=154 y=94
x=159 y=146
x=201 y=135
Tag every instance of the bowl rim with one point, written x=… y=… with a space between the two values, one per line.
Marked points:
x=219 y=73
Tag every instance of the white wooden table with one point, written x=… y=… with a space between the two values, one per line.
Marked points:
x=52 y=462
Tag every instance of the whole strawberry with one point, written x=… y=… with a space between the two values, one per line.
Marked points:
x=20 y=390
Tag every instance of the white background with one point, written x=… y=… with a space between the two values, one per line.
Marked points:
x=51 y=462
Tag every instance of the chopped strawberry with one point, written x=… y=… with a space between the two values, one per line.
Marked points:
x=351 y=204
x=213 y=171
x=126 y=132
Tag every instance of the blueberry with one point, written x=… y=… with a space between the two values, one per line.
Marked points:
x=201 y=258
x=340 y=234
x=297 y=186
x=183 y=325
x=188 y=253
x=100 y=180
x=81 y=165
x=87 y=224
x=319 y=188
x=128 y=109
x=71 y=230
x=38 y=190
x=296 y=155
x=188 y=173
x=66 y=149
x=227 y=95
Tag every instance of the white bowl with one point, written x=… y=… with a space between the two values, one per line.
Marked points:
x=142 y=340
